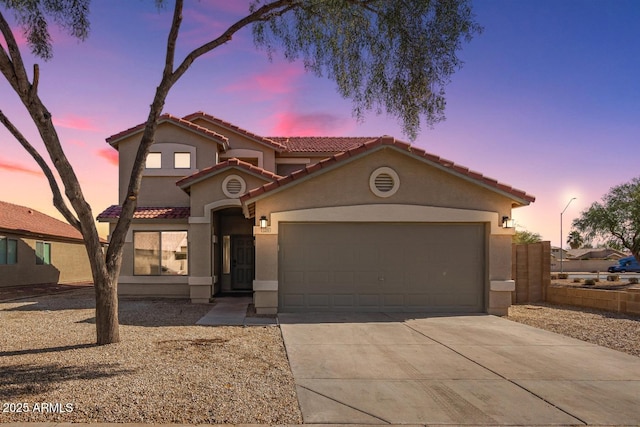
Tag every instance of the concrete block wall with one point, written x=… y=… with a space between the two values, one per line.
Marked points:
x=623 y=301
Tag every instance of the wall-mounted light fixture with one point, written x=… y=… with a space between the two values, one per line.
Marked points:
x=263 y=223
x=507 y=222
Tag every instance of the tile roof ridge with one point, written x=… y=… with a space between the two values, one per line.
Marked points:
x=161 y=119
x=163 y=212
x=183 y=182
x=225 y=123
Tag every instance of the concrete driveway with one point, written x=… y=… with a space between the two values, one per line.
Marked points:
x=477 y=369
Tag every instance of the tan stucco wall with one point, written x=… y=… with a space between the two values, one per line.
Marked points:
x=159 y=290
x=69 y=264
x=500 y=257
x=420 y=184
x=206 y=153
x=200 y=257
x=161 y=191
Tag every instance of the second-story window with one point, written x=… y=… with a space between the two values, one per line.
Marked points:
x=182 y=160
x=154 y=161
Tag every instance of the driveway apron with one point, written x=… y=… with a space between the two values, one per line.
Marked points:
x=377 y=368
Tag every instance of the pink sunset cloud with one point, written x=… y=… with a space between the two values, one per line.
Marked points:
x=280 y=80
x=75 y=122
x=109 y=154
x=309 y=124
x=16 y=167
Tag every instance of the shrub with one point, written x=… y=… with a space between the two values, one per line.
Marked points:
x=590 y=282
x=563 y=276
x=613 y=278
x=577 y=280
x=633 y=280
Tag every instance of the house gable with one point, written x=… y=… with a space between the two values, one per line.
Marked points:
x=226 y=181
x=344 y=179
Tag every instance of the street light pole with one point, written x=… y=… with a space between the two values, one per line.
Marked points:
x=561 y=235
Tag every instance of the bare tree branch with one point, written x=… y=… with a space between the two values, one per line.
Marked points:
x=19 y=80
x=267 y=11
x=58 y=200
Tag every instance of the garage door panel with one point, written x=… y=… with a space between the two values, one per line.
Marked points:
x=342 y=301
x=295 y=302
x=366 y=278
x=316 y=278
x=319 y=301
x=381 y=267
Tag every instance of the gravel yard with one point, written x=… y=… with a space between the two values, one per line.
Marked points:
x=165 y=370
x=612 y=330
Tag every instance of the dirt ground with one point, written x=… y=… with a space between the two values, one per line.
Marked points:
x=17 y=292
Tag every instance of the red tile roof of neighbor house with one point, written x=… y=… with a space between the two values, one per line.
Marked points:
x=188 y=180
x=23 y=220
x=173 y=212
x=113 y=139
x=392 y=142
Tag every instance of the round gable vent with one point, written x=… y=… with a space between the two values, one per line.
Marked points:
x=233 y=186
x=384 y=182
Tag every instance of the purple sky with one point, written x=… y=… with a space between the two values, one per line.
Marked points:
x=548 y=99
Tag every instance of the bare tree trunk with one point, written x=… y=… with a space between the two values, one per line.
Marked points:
x=107 y=330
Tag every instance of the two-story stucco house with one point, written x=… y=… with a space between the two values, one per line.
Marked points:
x=312 y=223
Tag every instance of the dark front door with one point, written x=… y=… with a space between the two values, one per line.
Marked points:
x=242 y=263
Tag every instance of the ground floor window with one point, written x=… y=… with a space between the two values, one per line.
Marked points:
x=159 y=253
x=43 y=253
x=8 y=251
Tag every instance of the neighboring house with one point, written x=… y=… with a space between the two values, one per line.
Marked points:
x=312 y=223
x=36 y=249
x=596 y=253
x=555 y=253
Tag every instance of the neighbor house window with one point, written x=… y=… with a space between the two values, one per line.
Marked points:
x=8 y=251
x=43 y=253
x=158 y=253
x=182 y=160
x=154 y=161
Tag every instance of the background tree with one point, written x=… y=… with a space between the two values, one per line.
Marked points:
x=525 y=237
x=384 y=55
x=575 y=240
x=616 y=219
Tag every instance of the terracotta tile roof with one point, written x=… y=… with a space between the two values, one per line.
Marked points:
x=173 y=212
x=114 y=139
x=389 y=141
x=268 y=141
x=320 y=144
x=24 y=220
x=187 y=181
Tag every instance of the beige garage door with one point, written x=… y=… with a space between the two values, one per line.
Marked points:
x=381 y=267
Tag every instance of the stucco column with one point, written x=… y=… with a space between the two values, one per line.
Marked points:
x=500 y=282
x=200 y=276
x=265 y=285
